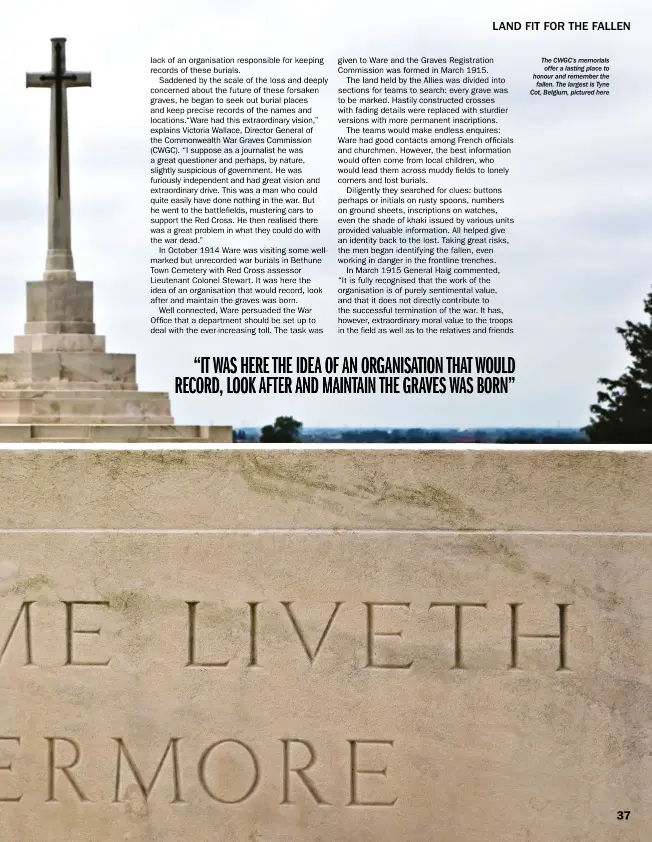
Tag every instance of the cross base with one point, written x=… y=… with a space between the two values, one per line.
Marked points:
x=60 y=384
x=83 y=406
x=59 y=275
x=59 y=266
x=115 y=433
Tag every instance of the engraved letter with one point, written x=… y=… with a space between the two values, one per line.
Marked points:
x=300 y=771
x=355 y=772
x=253 y=644
x=7 y=768
x=458 y=665
x=561 y=636
x=52 y=767
x=192 y=634
x=311 y=655
x=146 y=790
x=201 y=773
x=24 y=608
x=371 y=633
x=71 y=630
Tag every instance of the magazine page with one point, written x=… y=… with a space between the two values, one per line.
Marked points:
x=404 y=222
x=325 y=404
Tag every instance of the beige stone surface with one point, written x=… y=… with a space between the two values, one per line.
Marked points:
x=68 y=370
x=65 y=305
x=84 y=406
x=90 y=342
x=210 y=644
x=115 y=433
x=60 y=384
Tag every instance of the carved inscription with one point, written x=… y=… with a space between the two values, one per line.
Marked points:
x=84 y=636
x=63 y=760
x=378 y=621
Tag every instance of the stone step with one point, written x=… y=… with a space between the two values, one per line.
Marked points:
x=89 y=342
x=93 y=406
x=12 y=389
x=72 y=369
x=118 y=433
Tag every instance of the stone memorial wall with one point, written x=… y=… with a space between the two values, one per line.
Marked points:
x=310 y=645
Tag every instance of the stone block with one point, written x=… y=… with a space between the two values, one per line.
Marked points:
x=84 y=406
x=314 y=645
x=14 y=369
x=87 y=342
x=59 y=306
x=67 y=369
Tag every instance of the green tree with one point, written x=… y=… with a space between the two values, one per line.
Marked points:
x=623 y=412
x=285 y=430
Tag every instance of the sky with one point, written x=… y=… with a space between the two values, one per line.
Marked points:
x=579 y=187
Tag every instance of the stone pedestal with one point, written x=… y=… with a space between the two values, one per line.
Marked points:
x=60 y=384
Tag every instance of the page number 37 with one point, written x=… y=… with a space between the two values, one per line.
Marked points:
x=622 y=814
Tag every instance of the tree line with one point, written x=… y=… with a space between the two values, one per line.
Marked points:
x=621 y=414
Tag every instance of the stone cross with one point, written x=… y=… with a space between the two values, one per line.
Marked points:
x=59 y=263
